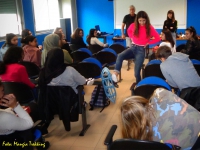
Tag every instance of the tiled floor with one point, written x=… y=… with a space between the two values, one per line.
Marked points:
x=100 y=122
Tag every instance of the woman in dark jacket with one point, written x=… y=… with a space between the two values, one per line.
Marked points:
x=192 y=47
x=77 y=38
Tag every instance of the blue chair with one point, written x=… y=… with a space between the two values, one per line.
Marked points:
x=196 y=64
x=132 y=144
x=90 y=68
x=81 y=54
x=107 y=56
x=146 y=86
x=118 y=48
x=95 y=48
x=152 y=69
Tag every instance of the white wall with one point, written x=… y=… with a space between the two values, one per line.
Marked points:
x=69 y=11
x=156 y=9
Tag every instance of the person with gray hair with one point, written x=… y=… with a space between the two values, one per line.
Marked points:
x=128 y=19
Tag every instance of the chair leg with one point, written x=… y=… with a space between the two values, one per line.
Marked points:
x=128 y=64
x=120 y=77
x=82 y=110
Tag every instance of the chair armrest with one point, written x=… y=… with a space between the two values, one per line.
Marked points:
x=109 y=137
x=105 y=65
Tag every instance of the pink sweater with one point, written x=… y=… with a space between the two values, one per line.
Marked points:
x=142 y=38
x=32 y=54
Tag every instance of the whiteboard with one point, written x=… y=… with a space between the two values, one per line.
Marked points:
x=156 y=10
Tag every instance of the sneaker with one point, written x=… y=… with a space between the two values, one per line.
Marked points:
x=114 y=78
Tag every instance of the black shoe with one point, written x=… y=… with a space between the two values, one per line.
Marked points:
x=115 y=84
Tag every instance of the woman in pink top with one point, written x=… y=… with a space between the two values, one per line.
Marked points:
x=31 y=52
x=140 y=33
x=11 y=70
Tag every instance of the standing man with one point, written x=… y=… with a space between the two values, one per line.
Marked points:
x=128 y=19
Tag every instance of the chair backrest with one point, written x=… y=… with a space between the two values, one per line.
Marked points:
x=32 y=69
x=22 y=92
x=59 y=100
x=118 y=48
x=107 y=56
x=196 y=64
x=95 y=48
x=90 y=68
x=180 y=47
x=74 y=47
x=81 y=54
x=153 y=69
x=147 y=86
x=131 y=144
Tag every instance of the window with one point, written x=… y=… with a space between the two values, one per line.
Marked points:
x=10 y=16
x=46 y=14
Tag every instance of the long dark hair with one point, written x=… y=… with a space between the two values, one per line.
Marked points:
x=29 y=38
x=25 y=33
x=9 y=37
x=76 y=33
x=91 y=34
x=142 y=14
x=13 y=55
x=168 y=36
x=173 y=16
x=191 y=29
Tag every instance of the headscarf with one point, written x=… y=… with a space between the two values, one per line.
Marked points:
x=54 y=65
x=50 y=41
x=9 y=37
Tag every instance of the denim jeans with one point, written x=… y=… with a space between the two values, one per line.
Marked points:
x=134 y=52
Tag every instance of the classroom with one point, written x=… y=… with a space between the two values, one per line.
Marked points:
x=53 y=25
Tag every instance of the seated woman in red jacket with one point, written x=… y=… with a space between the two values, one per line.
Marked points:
x=10 y=70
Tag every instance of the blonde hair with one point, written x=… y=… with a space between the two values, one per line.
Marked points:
x=137 y=116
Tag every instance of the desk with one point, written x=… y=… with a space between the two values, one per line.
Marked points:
x=104 y=37
x=119 y=38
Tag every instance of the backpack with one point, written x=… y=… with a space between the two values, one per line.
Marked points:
x=99 y=98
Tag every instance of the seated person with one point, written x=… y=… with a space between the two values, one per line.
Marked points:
x=57 y=73
x=25 y=33
x=164 y=118
x=11 y=70
x=93 y=40
x=77 y=38
x=16 y=124
x=167 y=40
x=64 y=43
x=10 y=122
x=31 y=52
x=177 y=69
x=66 y=48
x=53 y=41
x=192 y=47
x=11 y=40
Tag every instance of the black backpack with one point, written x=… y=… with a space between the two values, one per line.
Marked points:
x=98 y=98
